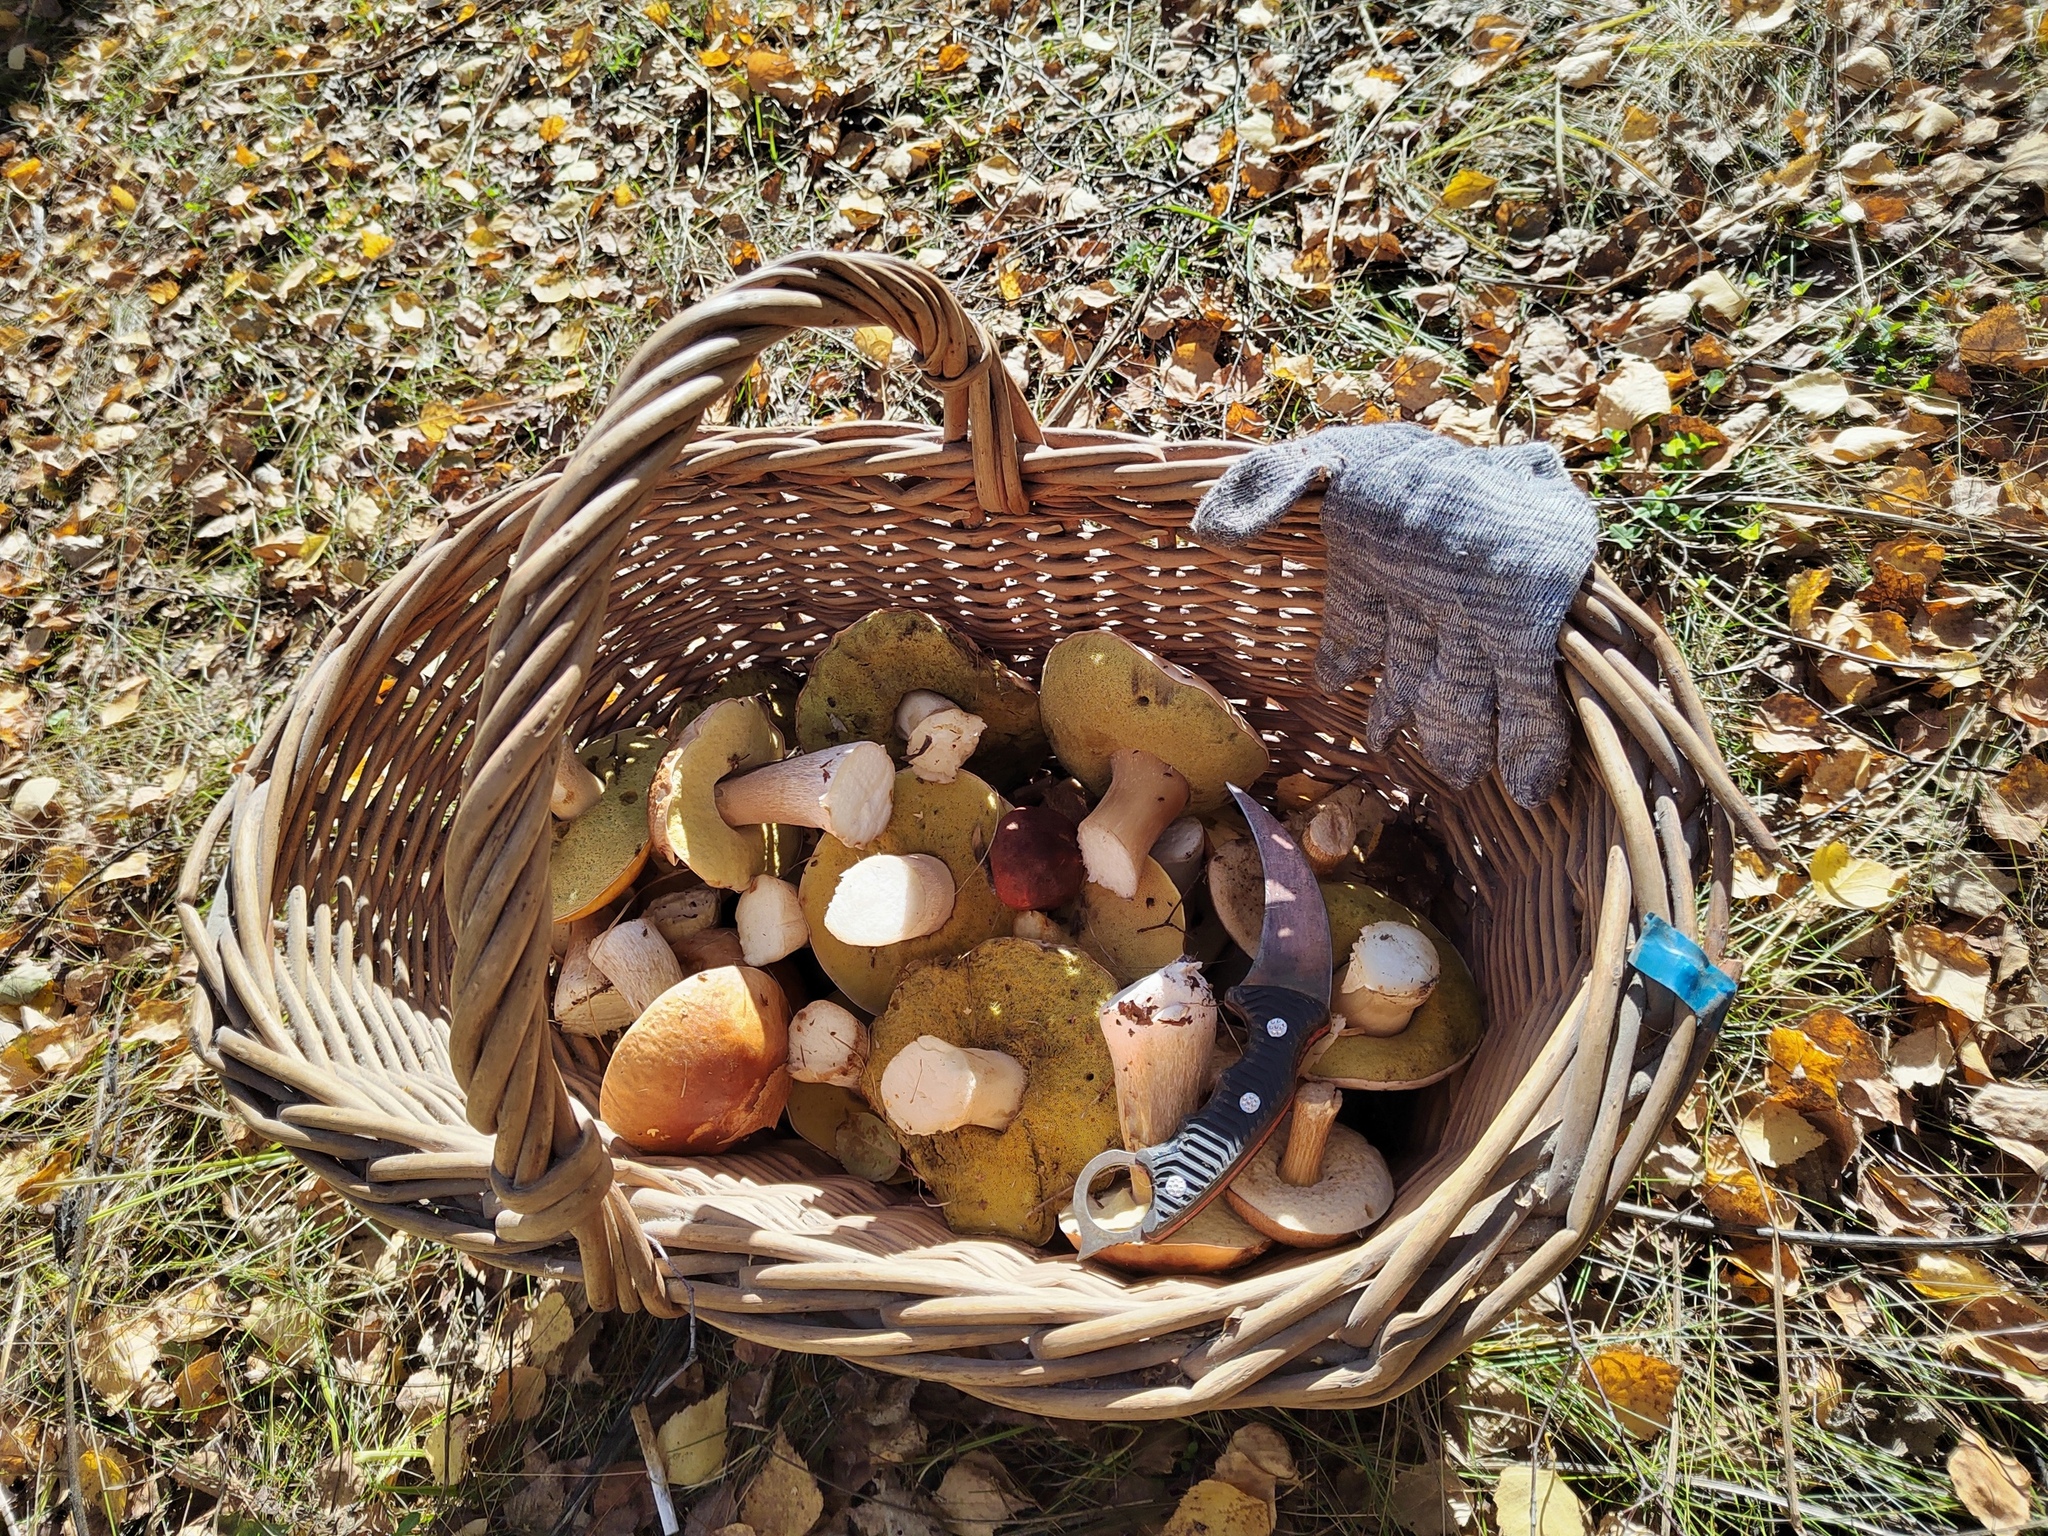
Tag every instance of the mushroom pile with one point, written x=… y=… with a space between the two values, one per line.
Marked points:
x=962 y=933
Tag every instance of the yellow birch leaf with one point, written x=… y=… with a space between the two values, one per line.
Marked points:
x=1468 y=189
x=374 y=243
x=783 y=1499
x=1942 y=968
x=1532 y=1501
x=1211 y=1508
x=693 y=1442
x=1639 y=1388
x=874 y=342
x=1950 y=1276
x=1844 y=879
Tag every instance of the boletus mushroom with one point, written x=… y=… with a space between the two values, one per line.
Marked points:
x=1035 y=862
x=576 y=789
x=949 y=824
x=703 y=1066
x=838 y=1122
x=1328 y=1183
x=726 y=780
x=1215 y=1241
x=1132 y=936
x=1148 y=736
x=1159 y=1030
x=1330 y=828
x=828 y=1043
x=891 y=898
x=1037 y=1006
x=1439 y=1036
x=769 y=918
x=1393 y=970
x=585 y=1001
x=597 y=856
x=931 y=1087
x=938 y=735
x=774 y=685
x=859 y=682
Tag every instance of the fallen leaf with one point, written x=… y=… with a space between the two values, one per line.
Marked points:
x=203 y=1383
x=445 y=1444
x=874 y=342
x=2025 y=698
x=1430 y=1500
x=1533 y=1501
x=1637 y=391
x=284 y=1325
x=1992 y=1485
x=1256 y=1461
x=1211 y=1508
x=1950 y=1276
x=1942 y=968
x=693 y=1442
x=549 y=1330
x=122 y=701
x=1996 y=339
x=1821 y=392
x=783 y=1499
x=517 y=1394
x=1774 y=1133
x=118 y=1353
x=1856 y=445
x=2014 y=809
x=1844 y=879
x=1802 y=597
x=976 y=1495
x=104 y=1480
x=1923 y=1058
x=374 y=243
x=1640 y=1388
x=2010 y=1334
x=1468 y=189
x=1580 y=70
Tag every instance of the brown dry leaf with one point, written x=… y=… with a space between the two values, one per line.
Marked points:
x=1857 y=445
x=118 y=1354
x=517 y=1394
x=1211 y=1508
x=550 y=1328
x=1903 y=1202
x=203 y=1383
x=1847 y=1300
x=1640 y=1388
x=1942 y=968
x=1923 y=1058
x=285 y=1326
x=1534 y=1501
x=1844 y=879
x=122 y=700
x=2025 y=698
x=783 y=1499
x=445 y=1444
x=1818 y=393
x=1412 y=377
x=1775 y=1133
x=1430 y=1500
x=2014 y=809
x=2009 y=1333
x=1992 y=1485
x=1731 y=1192
x=1256 y=1461
x=1996 y=339
x=976 y=1495
x=1637 y=391
x=20 y=1449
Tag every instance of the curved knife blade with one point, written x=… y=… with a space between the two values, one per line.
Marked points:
x=1294 y=944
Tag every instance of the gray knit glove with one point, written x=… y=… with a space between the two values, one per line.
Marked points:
x=1450 y=569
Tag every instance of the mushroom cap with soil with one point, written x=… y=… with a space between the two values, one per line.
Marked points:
x=597 y=856
x=1317 y=1182
x=1036 y=1005
x=1215 y=1241
x=1133 y=937
x=953 y=823
x=860 y=678
x=1439 y=1036
x=731 y=736
x=703 y=1066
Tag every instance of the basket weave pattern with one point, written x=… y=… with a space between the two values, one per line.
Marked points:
x=373 y=958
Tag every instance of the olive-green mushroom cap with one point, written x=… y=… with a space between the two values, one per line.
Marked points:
x=1440 y=1036
x=1037 y=1004
x=598 y=855
x=1099 y=693
x=954 y=823
x=731 y=736
x=1135 y=937
x=862 y=675
x=775 y=686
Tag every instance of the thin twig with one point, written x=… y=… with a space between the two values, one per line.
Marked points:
x=1871 y=1241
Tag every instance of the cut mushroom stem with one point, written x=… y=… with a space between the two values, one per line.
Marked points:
x=938 y=735
x=586 y=1002
x=1145 y=794
x=576 y=789
x=680 y=914
x=827 y=1044
x=846 y=791
x=770 y=921
x=1040 y=927
x=638 y=960
x=1329 y=829
x=931 y=1087
x=1315 y=1111
x=888 y=898
x=1394 y=968
x=1160 y=1030
x=1179 y=851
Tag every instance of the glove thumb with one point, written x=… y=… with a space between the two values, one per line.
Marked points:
x=1257 y=490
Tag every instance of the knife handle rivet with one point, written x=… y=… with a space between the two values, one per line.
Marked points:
x=1175 y=1186
x=1276 y=1027
x=1249 y=1103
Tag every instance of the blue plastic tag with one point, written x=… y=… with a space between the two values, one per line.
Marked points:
x=1680 y=966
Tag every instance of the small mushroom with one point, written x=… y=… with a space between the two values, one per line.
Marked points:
x=1216 y=1240
x=842 y=790
x=769 y=919
x=597 y=857
x=1393 y=970
x=1329 y=829
x=1179 y=851
x=637 y=960
x=1134 y=937
x=1441 y=1034
x=931 y=1086
x=1160 y=1030
x=1329 y=1182
x=682 y=803
x=953 y=823
x=576 y=789
x=1035 y=861
x=586 y=1002
x=890 y=898
x=859 y=681
x=681 y=913
x=1147 y=735
x=1037 y=1006
x=938 y=735
x=703 y=1065
x=827 y=1044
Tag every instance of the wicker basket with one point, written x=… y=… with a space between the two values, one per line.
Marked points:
x=374 y=956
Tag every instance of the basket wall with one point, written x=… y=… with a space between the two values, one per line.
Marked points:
x=386 y=1028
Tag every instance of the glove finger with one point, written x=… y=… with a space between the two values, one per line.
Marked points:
x=1454 y=707
x=1410 y=649
x=1535 y=734
x=1354 y=636
x=1256 y=491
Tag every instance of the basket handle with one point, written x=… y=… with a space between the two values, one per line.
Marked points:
x=549 y=1171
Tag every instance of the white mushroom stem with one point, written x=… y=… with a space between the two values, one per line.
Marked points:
x=1040 y=926
x=938 y=735
x=1329 y=829
x=887 y=898
x=827 y=1044
x=679 y=914
x=1315 y=1111
x=847 y=791
x=586 y=1002
x=1145 y=794
x=932 y=1086
x=1160 y=1030
x=638 y=960
x=576 y=789
x=1393 y=970
x=1179 y=851
x=770 y=921
x=709 y=950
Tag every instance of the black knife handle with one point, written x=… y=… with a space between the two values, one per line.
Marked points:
x=1249 y=1102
